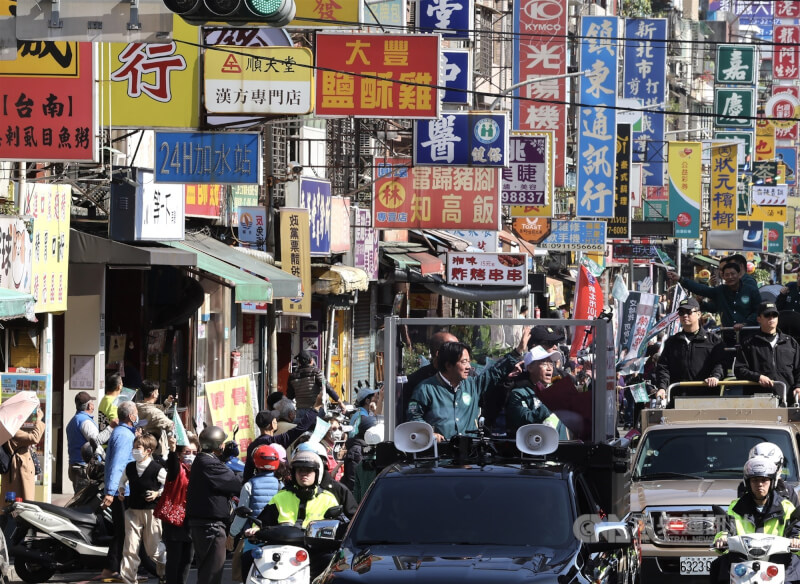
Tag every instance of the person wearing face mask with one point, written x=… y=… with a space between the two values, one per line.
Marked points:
x=146 y=479
x=171 y=509
x=118 y=456
x=332 y=443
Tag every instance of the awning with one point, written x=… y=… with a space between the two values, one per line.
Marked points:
x=15 y=304
x=403 y=261
x=284 y=285
x=247 y=288
x=428 y=264
x=91 y=249
x=443 y=238
x=338 y=279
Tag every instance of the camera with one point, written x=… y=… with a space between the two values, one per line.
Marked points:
x=295 y=168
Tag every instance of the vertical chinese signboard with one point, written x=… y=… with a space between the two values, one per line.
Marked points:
x=315 y=195
x=736 y=65
x=734 y=107
x=328 y=14
x=15 y=255
x=786 y=57
x=230 y=404
x=645 y=79
x=452 y=18
x=365 y=244
x=49 y=205
x=787 y=131
x=685 y=166
x=596 y=120
x=377 y=75
x=253 y=227
x=528 y=180
x=296 y=258
x=540 y=50
x=723 y=187
x=619 y=226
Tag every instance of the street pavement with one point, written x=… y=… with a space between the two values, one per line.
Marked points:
x=75 y=577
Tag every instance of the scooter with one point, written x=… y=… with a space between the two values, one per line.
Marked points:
x=283 y=555
x=758 y=558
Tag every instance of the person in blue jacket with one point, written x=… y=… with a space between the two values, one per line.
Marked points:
x=449 y=400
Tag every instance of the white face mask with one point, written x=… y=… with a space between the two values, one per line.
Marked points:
x=336 y=435
x=138 y=454
x=188 y=459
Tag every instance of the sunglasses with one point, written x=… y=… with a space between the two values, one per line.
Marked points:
x=686 y=312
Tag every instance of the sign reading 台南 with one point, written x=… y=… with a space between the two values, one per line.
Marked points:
x=736 y=65
x=487 y=269
x=296 y=258
x=597 y=134
x=462 y=139
x=208 y=157
x=453 y=19
x=540 y=51
x=159 y=210
x=377 y=75
x=770 y=195
x=267 y=80
x=528 y=178
x=49 y=205
x=734 y=107
x=365 y=243
x=44 y=118
x=723 y=187
x=204 y=200
x=619 y=226
x=575 y=236
x=457 y=76
x=684 y=166
x=253 y=227
x=645 y=79
x=407 y=197
x=230 y=404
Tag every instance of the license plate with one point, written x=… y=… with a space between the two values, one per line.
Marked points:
x=696 y=565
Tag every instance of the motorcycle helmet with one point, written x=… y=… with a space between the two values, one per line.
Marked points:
x=265 y=457
x=308 y=459
x=374 y=435
x=314 y=447
x=212 y=438
x=769 y=451
x=760 y=467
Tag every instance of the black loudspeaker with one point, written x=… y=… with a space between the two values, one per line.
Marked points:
x=538 y=283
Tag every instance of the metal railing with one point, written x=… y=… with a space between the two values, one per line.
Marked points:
x=778 y=386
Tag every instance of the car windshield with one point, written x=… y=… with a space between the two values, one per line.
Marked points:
x=481 y=510
x=707 y=453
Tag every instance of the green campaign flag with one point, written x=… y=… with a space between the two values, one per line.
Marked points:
x=665 y=259
x=180 y=432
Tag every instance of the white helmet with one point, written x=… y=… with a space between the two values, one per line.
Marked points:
x=769 y=451
x=308 y=459
x=760 y=467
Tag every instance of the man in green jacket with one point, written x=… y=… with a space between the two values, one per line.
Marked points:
x=448 y=401
x=523 y=406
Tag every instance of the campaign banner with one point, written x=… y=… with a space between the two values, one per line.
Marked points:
x=619 y=226
x=377 y=75
x=528 y=179
x=49 y=205
x=453 y=19
x=457 y=76
x=365 y=243
x=645 y=317
x=597 y=134
x=724 y=181
x=296 y=257
x=204 y=200
x=685 y=168
x=253 y=227
x=407 y=197
x=539 y=45
x=645 y=79
x=208 y=157
x=773 y=237
x=588 y=304
x=627 y=322
x=230 y=404
x=462 y=139
x=487 y=269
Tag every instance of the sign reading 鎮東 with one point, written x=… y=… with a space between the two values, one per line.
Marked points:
x=487 y=269
x=377 y=75
x=208 y=157
x=407 y=197
x=265 y=80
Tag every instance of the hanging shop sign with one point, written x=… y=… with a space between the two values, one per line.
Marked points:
x=462 y=139
x=208 y=157
x=724 y=183
x=296 y=258
x=453 y=19
x=685 y=165
x=487 y=269
x=204 y=200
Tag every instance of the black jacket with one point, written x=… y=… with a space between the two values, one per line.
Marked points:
x=305 y=420
x=354 y=455
x=790 y=301
x=342 y=494
x=689 y=358
x=211 y=485
x=757 y=357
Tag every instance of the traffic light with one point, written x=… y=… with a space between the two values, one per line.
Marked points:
x=236 y=12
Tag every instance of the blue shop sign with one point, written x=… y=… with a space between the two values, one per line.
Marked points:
x=208 y=157
x=453 y=19
x=462 y=139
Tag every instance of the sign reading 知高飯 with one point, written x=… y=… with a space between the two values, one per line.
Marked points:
x=296 y=258
x=575 y=236
x=453 y=19
x=462 y=139
x=724 y=182
x=597 y=129
x=446 y=197
x=208 y=157
x=457 y=76
x=487 y=269
x=685 y=167
x=377 y=75
x=736 y=65
x=267 y=80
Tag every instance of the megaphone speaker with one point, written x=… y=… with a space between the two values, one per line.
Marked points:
x=414 y=437
x=537 y=439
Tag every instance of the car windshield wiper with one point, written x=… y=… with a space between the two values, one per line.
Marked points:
x=736 y=471
x=667 y=475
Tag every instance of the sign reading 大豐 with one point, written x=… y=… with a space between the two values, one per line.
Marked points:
x=266 y=80
x=487 y=269
x=208 y=157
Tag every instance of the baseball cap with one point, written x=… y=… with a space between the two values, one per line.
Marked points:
x=549 y=335
x=767 y=308
x=264 y=419
x=82 y=398
x=364 y=393
x=689 y=303
x=540 y=354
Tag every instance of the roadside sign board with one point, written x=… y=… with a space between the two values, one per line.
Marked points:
x=576 y=235
x=208 y=157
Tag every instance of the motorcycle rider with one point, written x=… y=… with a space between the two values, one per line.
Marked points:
x=775 y=454
x=761 y=509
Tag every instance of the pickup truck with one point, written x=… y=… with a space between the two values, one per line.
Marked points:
x=689 y=459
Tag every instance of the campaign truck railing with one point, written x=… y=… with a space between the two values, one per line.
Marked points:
x=778 y=388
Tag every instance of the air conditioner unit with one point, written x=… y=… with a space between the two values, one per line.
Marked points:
x=366 y=145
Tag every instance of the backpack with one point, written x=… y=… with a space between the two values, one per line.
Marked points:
x=5 y=458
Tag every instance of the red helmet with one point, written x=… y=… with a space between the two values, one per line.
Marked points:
x=265 y=457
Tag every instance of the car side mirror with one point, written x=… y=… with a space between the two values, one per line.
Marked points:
x=333 y=512
x=323 y=535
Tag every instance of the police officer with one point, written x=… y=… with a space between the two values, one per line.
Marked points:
x=774 y=454
x=211 y=485
x=789 y=297
x=690 y=355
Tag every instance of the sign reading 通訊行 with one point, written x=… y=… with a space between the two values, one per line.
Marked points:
x=462 y=139
x=487 y=269
x=576 y=236
x=453 y=19
x=457 y=76
x=597 y=130
x=208 y=157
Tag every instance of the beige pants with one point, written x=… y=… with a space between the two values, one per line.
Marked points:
x=140 y=526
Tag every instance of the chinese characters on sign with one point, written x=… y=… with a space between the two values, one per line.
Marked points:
x=723 y=187
x=435 y=197
x=770 y=195
x=528 y=178
x=488 y=269
x=457 y=76
x=365 y=249
x=786 y=55
x=315 y=195
x=736 y=65
x=159 y=210
x=204 y=200
x=230 y=404
x=685 y=166
x=296 y=257
x=253 y=227
x=452 y=18
x=327 y=13
x=462 y=139
x=576 y=236
x=208 y=157
x=734 y=107
x=619 y=226
x=597 y=129
x=377 y=75
x=15 y=255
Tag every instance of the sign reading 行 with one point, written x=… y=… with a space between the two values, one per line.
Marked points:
x=462 y=139
x=487 y=269
x=576 y=236
x=208 y=157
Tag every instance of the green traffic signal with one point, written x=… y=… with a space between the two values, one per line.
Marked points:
x=276 y=13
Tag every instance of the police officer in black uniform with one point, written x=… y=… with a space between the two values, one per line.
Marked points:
x=211 y=485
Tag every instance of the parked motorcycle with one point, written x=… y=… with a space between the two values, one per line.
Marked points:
x=758 y=558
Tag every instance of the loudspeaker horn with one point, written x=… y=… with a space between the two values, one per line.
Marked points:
x=412 y=437
x=537 y=439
